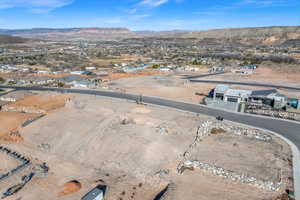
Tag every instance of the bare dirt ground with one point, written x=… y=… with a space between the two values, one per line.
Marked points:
x=263 y=75
x=115 y=76
x=208 y=187
x=39 y=103
x=174 y=87
x=218 y=148
x=135 y=150
x=7 y=163
x=168 y=86
x=10 y=121
x=15 y=114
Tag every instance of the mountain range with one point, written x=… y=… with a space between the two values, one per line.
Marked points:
x=259 y=35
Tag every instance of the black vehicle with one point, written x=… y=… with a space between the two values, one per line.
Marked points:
x=220 y=118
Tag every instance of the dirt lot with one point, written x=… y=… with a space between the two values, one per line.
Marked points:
x=135 y=150
x=218 y=148
x=39 y=103
x=115 y=76
x=262 y=75
x=11 y=121
x=168 y=86
x=7 y=163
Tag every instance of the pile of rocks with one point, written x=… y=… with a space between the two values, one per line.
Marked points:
x=248 y=132
x=219 y=171
x=275 y=113
x=206 y=128
x=22 y=109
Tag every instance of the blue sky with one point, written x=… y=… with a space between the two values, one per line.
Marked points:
x=149 y=14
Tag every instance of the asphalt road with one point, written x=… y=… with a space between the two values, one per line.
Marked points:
x=288 y=129
x=243 y=83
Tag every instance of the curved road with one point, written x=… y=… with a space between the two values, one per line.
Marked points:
x=287 y=129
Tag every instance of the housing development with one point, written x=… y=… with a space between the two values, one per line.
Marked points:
x=109 y=113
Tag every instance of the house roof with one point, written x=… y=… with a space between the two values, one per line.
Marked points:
x=95 y=193
x=264 y=92
x=238 y=93
x=72 y=78
x=222 y=88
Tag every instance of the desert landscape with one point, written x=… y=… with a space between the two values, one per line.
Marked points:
x=136 y=150
x=149 y=100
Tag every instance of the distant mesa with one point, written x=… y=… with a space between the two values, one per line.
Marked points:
x=256 y=35
x=8 y=39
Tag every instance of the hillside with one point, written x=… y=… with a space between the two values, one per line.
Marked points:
x=7 y=39
x=72 y=33
x=259 y=35
x=266 y=35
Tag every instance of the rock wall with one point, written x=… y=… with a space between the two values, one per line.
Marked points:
x=228 y=174
x=275 y=113
x=205 y=130
x=8 y=108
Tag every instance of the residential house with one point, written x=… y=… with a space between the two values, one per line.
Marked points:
x=252 y=67
x=269 y=97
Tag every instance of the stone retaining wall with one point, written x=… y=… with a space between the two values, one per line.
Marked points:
x=204 y=130
x=242 y=178
x=275 y=113
x=25 y=162
x=8 y=108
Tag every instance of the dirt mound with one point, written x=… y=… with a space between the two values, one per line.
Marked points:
x=283 y=197
x=217 y=131
x=13 y=137
x=71 y=187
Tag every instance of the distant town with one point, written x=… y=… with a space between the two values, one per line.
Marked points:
x=95 y=113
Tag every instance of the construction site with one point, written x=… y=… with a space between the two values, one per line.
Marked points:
x=61 y=146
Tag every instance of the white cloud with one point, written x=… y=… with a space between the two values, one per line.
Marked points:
x=153 y=3
x=113 y=20
x=35 y=5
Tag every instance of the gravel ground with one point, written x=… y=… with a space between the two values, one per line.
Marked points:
x=135 y=150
